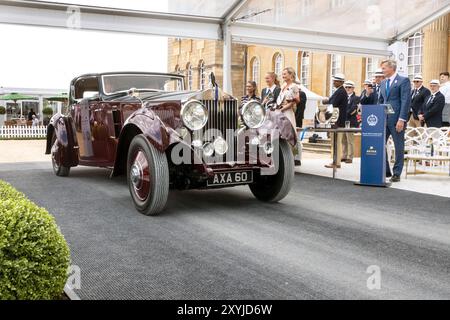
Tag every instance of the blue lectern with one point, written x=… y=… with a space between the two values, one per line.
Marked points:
x=373 y=145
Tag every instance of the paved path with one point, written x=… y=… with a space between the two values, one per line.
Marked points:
x=22 y=151
x=223 y=244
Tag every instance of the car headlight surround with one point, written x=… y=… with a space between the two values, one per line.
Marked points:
x=194 y=115
x=253 y=114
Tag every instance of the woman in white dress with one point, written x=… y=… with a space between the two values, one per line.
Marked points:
x=289 y=96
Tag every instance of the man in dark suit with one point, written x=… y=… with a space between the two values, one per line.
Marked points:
x=396 y=91
x=368 y=95
x=433 y=107
x=348 y=139
x=339 y=101
x=301 y=106
x=379 y=77
x=419 y=97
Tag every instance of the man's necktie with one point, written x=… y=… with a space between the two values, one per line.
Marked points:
x=388 y=88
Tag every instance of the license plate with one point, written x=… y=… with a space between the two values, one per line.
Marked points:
x=231 y=178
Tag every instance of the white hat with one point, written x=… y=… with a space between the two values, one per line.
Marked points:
x=349 y=83
x=435 y=82
x=418 y=77
x=367 y=81
x=379 y=73
x=339 y=77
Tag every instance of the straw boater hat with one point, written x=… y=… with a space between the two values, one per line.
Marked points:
x=379 y=73
x=367 y=81
x=349 y=83
x=339 y=77
x=418 y=77
x=435 y=82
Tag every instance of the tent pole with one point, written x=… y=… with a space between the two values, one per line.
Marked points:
x=227 y=43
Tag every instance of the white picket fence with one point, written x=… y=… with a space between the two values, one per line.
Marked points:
x=22 y=132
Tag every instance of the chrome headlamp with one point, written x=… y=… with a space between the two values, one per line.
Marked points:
x=253 y=114
x=194 y=115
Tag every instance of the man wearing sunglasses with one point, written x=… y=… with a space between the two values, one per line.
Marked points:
x=419 y=95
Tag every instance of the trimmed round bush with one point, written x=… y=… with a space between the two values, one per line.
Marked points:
x=34 y=256
x=47 y=111
x=2 y=110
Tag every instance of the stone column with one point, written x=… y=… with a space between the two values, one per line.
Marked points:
x=435 y=48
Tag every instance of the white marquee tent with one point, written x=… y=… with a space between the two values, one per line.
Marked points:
x=365 y=27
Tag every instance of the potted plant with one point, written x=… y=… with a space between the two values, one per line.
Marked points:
x=2 y=115
x=47 y=112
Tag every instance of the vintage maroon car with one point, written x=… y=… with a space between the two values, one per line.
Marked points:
x=145 y=125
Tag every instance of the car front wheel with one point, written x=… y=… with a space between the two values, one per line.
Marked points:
x=274 y=188
x=147 y=176
x=58 y=169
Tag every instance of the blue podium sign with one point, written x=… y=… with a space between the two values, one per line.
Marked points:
x=373 y=146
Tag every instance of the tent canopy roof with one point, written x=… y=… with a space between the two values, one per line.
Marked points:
x=352 y=26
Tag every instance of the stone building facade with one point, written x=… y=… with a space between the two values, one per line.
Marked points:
x=196 y=59
x=428 y=54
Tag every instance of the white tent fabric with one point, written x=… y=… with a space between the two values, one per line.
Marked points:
x=380 y=19
x=371 y=20
x=364 y=27
x=311 y=95
x=311 y=103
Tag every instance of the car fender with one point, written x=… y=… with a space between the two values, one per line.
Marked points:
x=67 y=146
x=145 y=122
x=151 y=126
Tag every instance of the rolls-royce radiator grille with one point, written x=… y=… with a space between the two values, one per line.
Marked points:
x=222 y=116
x=222 y=121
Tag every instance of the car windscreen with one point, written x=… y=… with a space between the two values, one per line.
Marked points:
x=117 y=83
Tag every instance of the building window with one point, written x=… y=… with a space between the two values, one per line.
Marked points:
x=278 y=64
x=178 y=71
x=202 y=75
x=372 y=64
x=336 y=67
x=304 y=67
x=415 y=54
x=255 y=69
x=189 y=76
x=28 y=105
x=305 y=8
x=336 y=4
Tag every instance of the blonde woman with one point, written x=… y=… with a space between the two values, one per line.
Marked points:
x=272 y=90
x=289 y=96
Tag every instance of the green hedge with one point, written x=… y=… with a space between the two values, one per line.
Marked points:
x=34 y=256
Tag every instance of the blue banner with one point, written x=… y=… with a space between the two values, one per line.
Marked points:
x=373 y=146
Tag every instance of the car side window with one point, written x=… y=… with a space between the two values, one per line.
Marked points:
x=86 y=88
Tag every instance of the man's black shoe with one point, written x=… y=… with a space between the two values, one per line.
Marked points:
x=395 y=178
